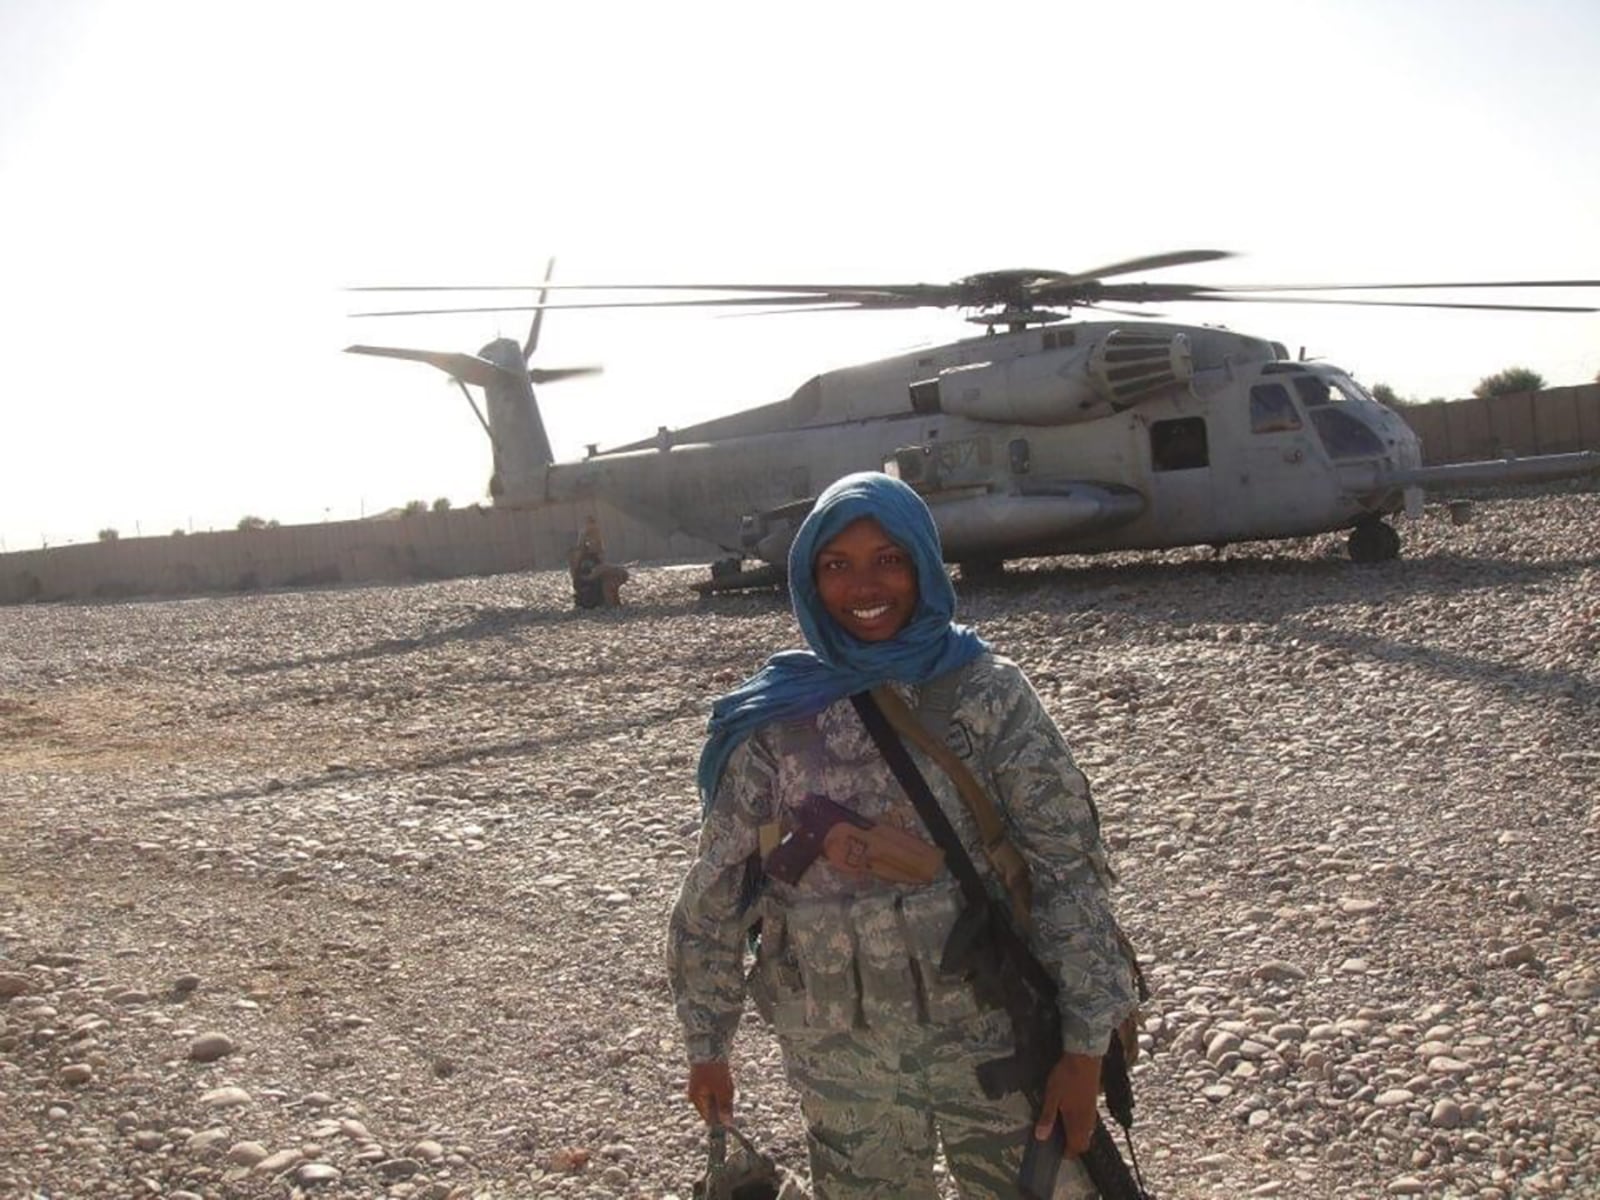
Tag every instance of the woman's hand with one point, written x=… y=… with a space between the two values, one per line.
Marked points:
x=1071 y=1093
x=711 y=1092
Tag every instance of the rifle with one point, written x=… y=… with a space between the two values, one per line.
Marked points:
x=986 y=947
x=851 y=843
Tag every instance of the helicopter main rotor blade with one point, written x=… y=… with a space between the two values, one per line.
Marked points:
x=1379 y=287
x=924 y=291
x=1553 y=308
x=1149 y=262
x=1168 y=293
x=767 y=301
x=1142 y=293
x=1020 y=290
x=840 y=306
x=633 y=287
x=1046 y=278
x=1123 y=312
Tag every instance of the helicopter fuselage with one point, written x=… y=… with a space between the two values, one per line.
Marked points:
x=1075 y=439
x=1052 y=437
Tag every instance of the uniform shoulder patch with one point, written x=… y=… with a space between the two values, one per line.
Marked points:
x=958 y=736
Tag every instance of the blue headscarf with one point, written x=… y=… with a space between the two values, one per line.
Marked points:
x=797 y=683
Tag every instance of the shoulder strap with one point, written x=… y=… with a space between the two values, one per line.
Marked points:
x=936 y=703
x=911 y=780
x=944 y=835
x=1008 y=864
x=873 y=710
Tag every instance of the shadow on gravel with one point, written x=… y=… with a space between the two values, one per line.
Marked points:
x=1070 y=577
x=1123 y=582
x=1104 y=571
x=1518 y=681
x=1277 y=591
x=508 y=749
x=484 y=624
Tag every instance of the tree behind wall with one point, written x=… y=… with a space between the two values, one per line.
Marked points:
x=1505 y=383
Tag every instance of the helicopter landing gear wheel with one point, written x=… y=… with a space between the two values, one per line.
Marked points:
x=1374 y=541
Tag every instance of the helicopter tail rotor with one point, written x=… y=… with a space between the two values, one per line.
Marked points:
x=557 y=374
x=532 y=344
x=515 y=426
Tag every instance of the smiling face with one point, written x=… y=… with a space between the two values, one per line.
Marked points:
x=867 y=583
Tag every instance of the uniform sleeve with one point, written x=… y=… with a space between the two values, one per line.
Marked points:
x=1046 y=799
x=707 y=931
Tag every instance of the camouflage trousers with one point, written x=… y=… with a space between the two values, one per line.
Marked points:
x=877 y=1101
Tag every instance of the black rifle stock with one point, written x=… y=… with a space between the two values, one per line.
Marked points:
x=1101 y=1161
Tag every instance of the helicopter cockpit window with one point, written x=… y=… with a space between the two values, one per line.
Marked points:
x=1351 y=389
x=1314 y=390
x=1179 y=445
x=1345 y=435
x=1271 y=409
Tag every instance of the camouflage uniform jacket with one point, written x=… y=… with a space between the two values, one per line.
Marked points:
x=840 y=952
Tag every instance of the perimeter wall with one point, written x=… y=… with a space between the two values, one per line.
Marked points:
x=488 y=541
x=1554 y=421
x=467 y=541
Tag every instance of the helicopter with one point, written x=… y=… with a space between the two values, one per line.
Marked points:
x=1041 y=436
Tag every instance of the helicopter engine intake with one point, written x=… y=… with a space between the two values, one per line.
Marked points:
x=1062 y=387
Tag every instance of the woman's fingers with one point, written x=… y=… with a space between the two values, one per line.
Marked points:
x=711 y=1091
x=1070 y=1095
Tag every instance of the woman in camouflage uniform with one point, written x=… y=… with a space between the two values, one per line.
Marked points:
x=881 y=1046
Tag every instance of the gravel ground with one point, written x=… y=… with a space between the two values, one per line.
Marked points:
x=361 y=892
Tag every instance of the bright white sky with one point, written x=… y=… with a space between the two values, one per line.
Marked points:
x=186 y=187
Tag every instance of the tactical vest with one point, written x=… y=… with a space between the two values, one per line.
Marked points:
x=836 y=963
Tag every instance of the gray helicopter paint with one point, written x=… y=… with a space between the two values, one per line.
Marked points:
x=521 y=446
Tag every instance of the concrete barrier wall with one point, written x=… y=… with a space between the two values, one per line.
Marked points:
x=1554 y=421
x=471 y=541
x=1431 y=423
x=1588 y=405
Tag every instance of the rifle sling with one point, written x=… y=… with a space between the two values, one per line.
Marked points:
x=1008 y=864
